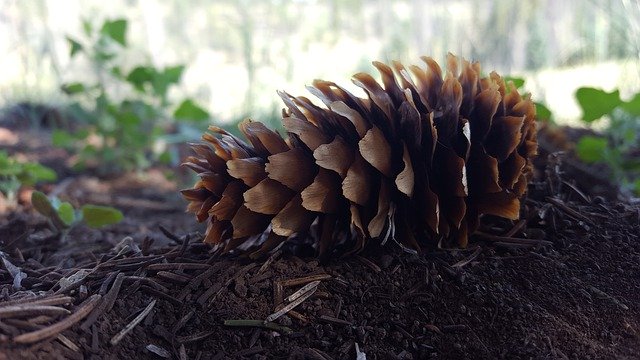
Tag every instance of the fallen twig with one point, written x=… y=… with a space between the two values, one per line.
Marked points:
x=106 y=304
x=304 y=280
x=291 y=305
x=14 y=311
x=469 y=259
x=258 y=323
x=571 y=212
x=60 y=326
x=119 y=336
x=303 y=290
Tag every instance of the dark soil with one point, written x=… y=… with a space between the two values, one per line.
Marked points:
x=563 y=283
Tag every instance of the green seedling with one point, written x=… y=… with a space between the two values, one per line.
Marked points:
x=618 y=144
x=15 y=174
x=63 y=216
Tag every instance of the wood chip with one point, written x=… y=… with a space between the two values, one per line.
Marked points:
x=303 y=290
x=291 y=305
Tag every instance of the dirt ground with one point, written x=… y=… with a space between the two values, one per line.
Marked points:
x=562 y=283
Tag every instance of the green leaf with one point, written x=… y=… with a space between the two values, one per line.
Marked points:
x=591 y=149
x=636 y=187
x=139 y=76
x=61 y=138
x=96 y=216
x=87 y=27
x=73 y=88
x=518 y=82
x=66 y=213
x=188 y=110
x=542 y=112
x=173 y=74
x=42 y=204
x=632 y=106
x=595 y=102
x=116 y=30
x=76 y=47
x=33 y=173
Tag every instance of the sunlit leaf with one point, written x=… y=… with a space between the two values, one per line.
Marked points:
x=542 y=112
x=172 y=74
x=517 y=81
x=116 y=30
x=96 y=216
x=33 y=173
x=139 y=76
x=189 y=110
x=632 y=106
x=72 y=88
x=591 y=149
x=596 y=102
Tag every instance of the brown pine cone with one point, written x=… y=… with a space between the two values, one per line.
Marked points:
x=417 y=162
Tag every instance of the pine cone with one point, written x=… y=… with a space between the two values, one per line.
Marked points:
x=418 y=161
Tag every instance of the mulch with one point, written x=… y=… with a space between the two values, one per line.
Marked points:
x=562 y=283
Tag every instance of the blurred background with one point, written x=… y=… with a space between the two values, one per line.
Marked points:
x=237 y=53
x=122 y=85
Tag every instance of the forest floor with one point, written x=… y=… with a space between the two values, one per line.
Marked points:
x=562 y=283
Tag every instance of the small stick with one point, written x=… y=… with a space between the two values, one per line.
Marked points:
x=334 y=320
x=170 y=235
x=195 y=337
x=178 y=266
x=68 y=343
x=469 y=259
x=277 y=293
x=305 y=280
x=106 y=304
x=369 y=263
x=512 y=240
x=303 y=290
x=147 y=281
x=31 y=310
x=116 y=339
x=178 y=278
x=291 y=305
x=52 y=300
x=60 y=326
x=296 y=315
x=161 y=295
x=574 y=188
x=517 y=227
x=271 y=259
x=259 y=323
x=571 y=212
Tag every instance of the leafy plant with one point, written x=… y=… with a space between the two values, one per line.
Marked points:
x=125 y=111
x=542 y=112
x=63 y=216
x=14 y=174
x=619 y=144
